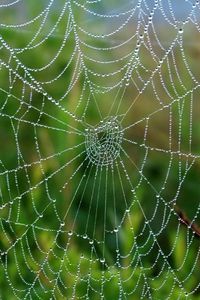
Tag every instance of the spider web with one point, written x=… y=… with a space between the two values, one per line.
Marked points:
x=100 y=146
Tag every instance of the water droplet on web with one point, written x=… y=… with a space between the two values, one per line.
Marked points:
x=102 y=260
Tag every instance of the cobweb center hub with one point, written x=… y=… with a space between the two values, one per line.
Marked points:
x=103 y=142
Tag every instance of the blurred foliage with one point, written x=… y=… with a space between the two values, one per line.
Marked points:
x=55 y=142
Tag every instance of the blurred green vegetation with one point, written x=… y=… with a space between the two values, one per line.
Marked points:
x=77 y=266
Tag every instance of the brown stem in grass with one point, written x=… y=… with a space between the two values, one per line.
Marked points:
x=187 y=222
